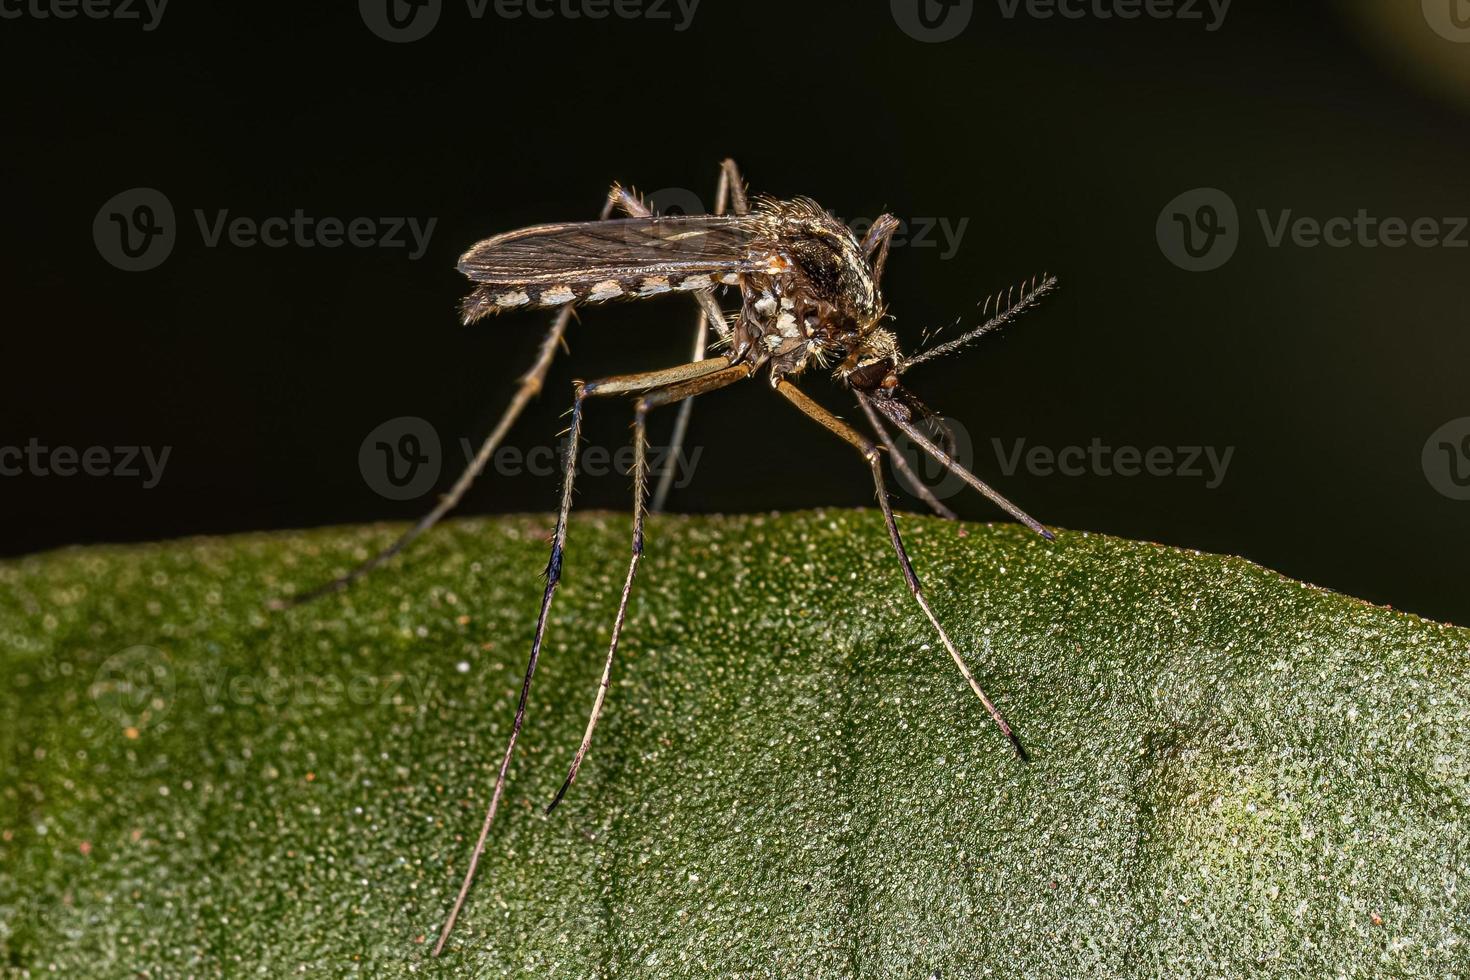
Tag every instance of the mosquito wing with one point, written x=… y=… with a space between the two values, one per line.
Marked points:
x=594 y=261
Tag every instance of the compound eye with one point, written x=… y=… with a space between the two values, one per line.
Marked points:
x=890 y=382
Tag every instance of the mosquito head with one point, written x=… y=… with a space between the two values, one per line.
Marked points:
x=877 y=379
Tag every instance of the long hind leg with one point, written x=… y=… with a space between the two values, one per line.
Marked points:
x=869 y=452
x=626 y=384
x=680 y=393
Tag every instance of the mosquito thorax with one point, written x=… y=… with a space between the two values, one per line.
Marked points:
x=814 y=295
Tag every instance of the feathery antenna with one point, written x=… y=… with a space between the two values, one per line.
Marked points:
x=999 y=310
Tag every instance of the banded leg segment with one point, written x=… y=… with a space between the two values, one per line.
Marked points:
x=696 y=376
x=869 y=452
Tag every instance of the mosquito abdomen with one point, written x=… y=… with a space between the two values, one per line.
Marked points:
x=503 y=297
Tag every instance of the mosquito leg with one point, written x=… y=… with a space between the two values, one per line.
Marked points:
x=870 y=452
x=902 y=465
x=623 y=384
x=730 y=178
x=701 y=340
x=953 y=465
x=553 y=577
x=878 y=238
x=681 y=425
x=681 y=393
x=530 y=385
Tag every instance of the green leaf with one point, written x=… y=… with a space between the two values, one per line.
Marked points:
x=1232 y=773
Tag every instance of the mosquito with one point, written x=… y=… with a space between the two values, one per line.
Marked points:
x=809 y=296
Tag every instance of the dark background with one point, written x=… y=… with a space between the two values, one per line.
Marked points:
x=1060 y=141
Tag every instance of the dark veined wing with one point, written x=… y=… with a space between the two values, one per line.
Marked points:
x=594 y=261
